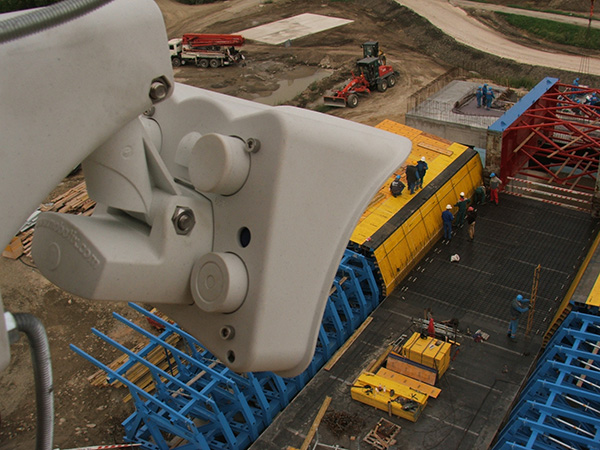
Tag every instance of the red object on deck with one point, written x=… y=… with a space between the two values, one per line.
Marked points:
x=431 y=328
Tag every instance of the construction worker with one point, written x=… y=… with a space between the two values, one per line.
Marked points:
x=471 y=218
x=422 y=168
x=495 y=183
x=447 y=219
x=489 y=98
x=397 y=186
x=412 y=177
x=461 y=204
x=518 y=306
x=479 y=96
x=479 y=197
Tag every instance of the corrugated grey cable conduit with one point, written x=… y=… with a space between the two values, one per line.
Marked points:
x=41 y=19
x=42 y=372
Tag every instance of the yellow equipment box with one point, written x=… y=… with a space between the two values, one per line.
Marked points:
x=388 y=395
x=429 y=352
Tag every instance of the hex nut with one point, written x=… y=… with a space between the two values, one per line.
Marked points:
x=183 y=219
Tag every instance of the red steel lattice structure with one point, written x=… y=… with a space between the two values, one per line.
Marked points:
x=556 y=139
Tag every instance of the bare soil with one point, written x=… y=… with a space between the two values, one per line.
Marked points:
x=86 y=415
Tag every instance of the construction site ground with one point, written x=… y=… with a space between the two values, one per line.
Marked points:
x=484 y=377
x=87 y=415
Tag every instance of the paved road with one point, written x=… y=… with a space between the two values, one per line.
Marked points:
x=455 y=22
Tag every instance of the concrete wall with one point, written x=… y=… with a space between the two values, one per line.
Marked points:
x=454 y=132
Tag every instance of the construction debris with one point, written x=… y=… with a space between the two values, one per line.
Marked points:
x=340 y=423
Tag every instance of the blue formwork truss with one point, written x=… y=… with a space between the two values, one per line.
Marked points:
x=196 y=402
x=559 y=407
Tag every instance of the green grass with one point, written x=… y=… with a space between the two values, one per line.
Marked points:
x=551 y=11
x=517 y=82
x=560 y=33
x=530 y=8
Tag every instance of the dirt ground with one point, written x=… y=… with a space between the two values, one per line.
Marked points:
x=86 y=415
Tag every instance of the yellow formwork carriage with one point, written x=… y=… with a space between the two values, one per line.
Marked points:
x=399 y=231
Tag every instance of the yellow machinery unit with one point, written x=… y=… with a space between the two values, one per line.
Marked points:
x=388 y=395
x=398 y=231
x=428 y=351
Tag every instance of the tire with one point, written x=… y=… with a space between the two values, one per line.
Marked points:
x=203 y=63
x=391 y=80
x=214 y=63
x=176 y=62
x=382 y=85
x=352 y=101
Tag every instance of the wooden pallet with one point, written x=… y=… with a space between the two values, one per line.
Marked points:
x=383 y=435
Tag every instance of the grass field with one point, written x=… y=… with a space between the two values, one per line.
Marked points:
x=560 y=33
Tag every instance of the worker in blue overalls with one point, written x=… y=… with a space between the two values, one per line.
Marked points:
x=447 y=218
x=479 y=96
x=489 y=98
x=518 y=306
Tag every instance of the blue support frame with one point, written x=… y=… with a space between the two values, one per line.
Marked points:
x=559 y=406
x=209 y=407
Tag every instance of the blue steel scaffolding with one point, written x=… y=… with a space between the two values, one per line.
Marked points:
x=559 y=407
x=198 y=403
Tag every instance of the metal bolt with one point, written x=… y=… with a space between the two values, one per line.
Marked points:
x=158 y=90
x=252 y=145
x=184 y=220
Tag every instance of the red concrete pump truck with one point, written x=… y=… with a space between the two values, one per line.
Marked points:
x=206 y=50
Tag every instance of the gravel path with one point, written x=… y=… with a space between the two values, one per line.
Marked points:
x=467 y=30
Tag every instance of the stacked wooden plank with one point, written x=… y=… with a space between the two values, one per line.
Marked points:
x=159 y=357
x=72 y=201
x=100 y=378
x=139 y=374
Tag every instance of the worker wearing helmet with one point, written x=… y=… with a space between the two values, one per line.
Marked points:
x=397 y=186
x=422 y=168
x=471 y=218
x=412 y=177
x=447 y=219
x=479 y=96
x=495 y=183
x=489 y=98
x=518 y=306
x=461 y=204
x=479 y=196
